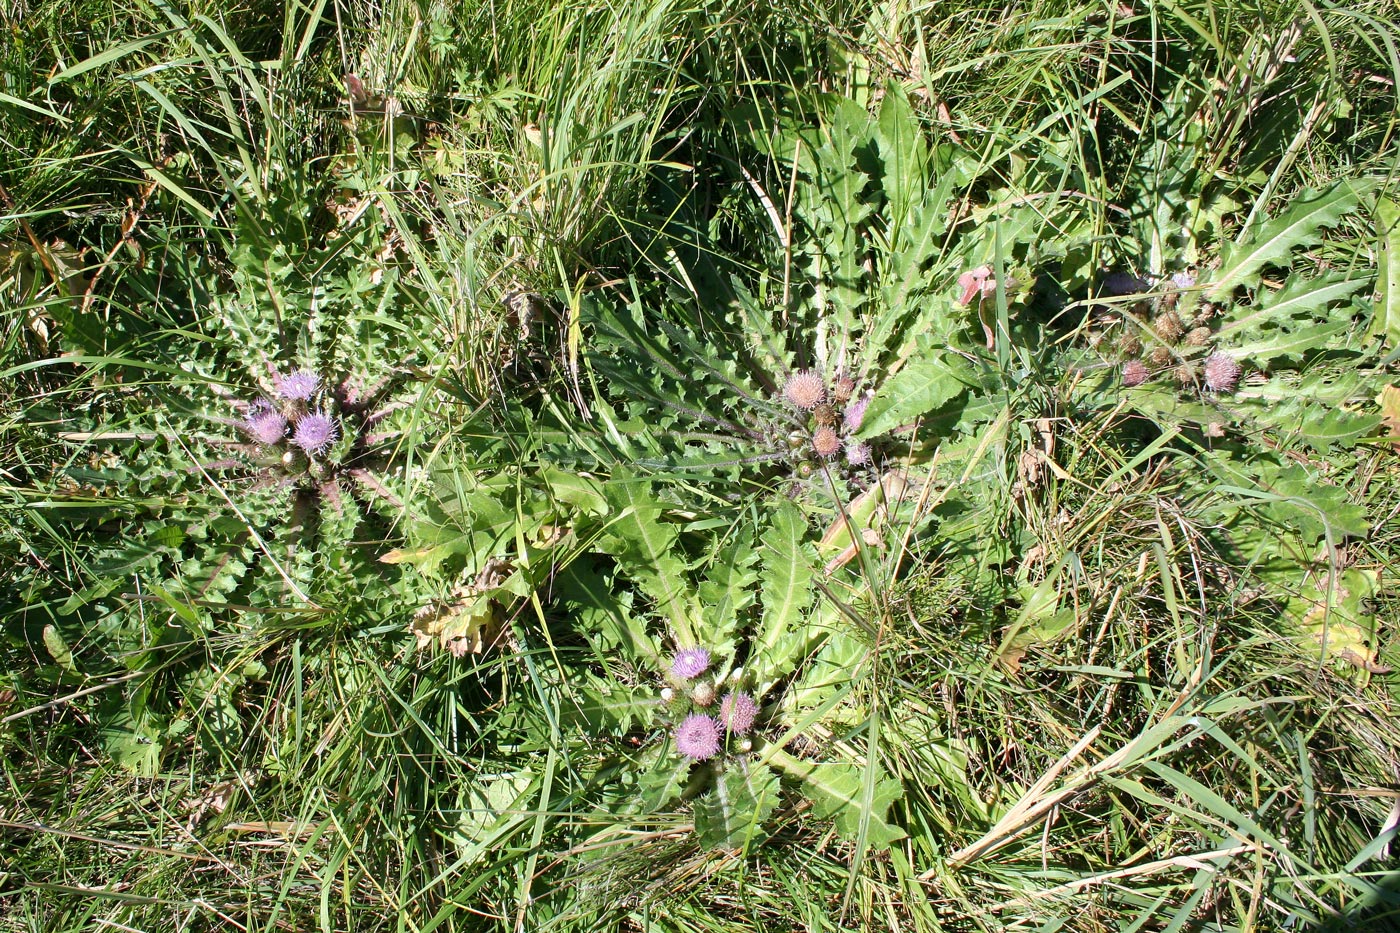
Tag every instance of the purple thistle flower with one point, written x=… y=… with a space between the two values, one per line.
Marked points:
x=264 y=424
x=1134 y=373
x=855 y=412
x=690 y=663
x=315 y=432
x=297 y=387
x=1222 y=372
x=826 y=442
x=737 y=712
x=697 y=736
x=1184 y=280
x=857 y=453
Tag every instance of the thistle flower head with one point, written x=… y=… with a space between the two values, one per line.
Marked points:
x=1184 y=280
x=1199 y=336
x=703 y=693
x=1169 y=326
x=855 y=412
x=826 y=442
x=315 y=432
x=737 y=712
x=697 y=736
x=857 y=452
x=805 y=389
x=298 y=386
x=690 y=663
x=842 y=389
x=266 y=425
x=1222 y=372
x=1134 y=373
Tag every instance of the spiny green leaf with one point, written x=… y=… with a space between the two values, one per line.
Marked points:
x=1299 y=297
x=915 y=390
x=1316 y=509
x=1386 y=322
x=786 y=590
x=646 y=548
x=728 y=591
x=1292 y=343
x=837 y=791
x=1273 y=241
x=731 y=816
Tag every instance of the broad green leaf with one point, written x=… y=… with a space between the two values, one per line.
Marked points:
x=582 y=492
x=837 y=792
x=826 y=678
x=786 y=589
x=1386 y=322
x=915 y=390
x=58 y=649
x=662 y=780
x=1041 y=620
x=1273 y=241
x=1292 y=343
x=646 y=548
x=600 y=706
x=731 y=816
x=1316 y=510
x=596 y=608
x=1331 y=611
x=1300 y=297
x=727 y=592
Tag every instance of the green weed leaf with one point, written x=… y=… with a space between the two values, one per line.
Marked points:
x=1273 y=241
x=1386 y=322
x=838 y=793
x=786 y=589
x=731 y=816
x=915 y=390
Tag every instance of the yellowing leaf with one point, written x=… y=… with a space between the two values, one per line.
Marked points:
x=1333 y=613
x=474 y=619
x=866 y=514
x=1389 y=402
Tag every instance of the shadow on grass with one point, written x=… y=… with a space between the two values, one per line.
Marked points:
x=1378 y=912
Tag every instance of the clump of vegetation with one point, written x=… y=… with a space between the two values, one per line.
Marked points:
x=692 y=468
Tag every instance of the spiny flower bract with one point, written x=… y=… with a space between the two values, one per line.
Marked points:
x=737 y=712
x=690 y=663
x=1134 y=373
x=1169 y=326
x=843 y=389
x=805 y=390
x=298 y=386
x=315 y=432
x=698 y=736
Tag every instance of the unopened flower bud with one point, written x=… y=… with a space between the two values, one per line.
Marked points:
x=703 y=693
